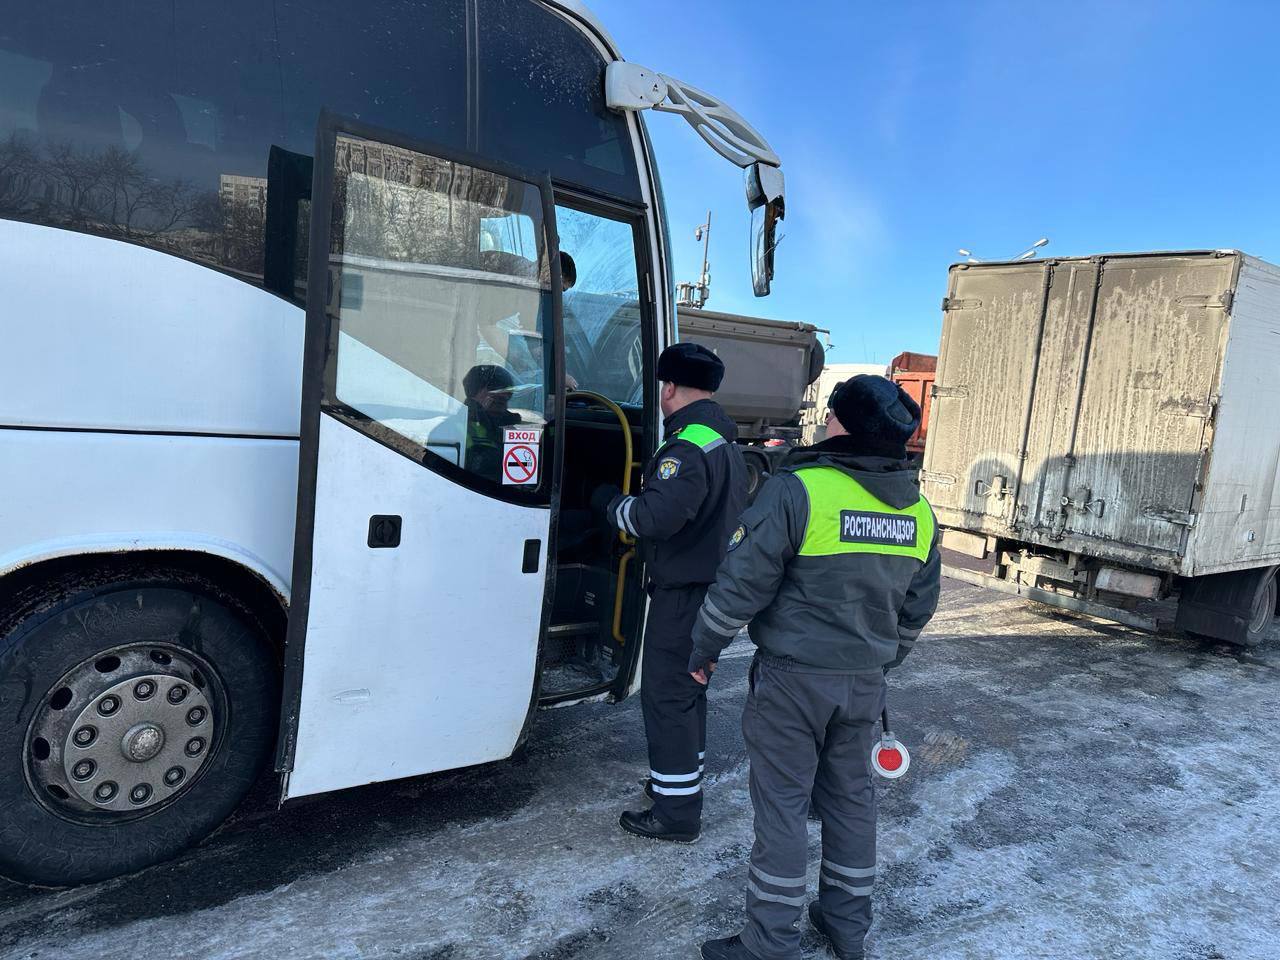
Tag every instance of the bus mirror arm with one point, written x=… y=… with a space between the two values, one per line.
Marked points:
x=629 y=87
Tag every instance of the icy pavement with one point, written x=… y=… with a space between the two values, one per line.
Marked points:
x=1077 y=791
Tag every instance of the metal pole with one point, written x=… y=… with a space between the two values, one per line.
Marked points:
x=705 y=281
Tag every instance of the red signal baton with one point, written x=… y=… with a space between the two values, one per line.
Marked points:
x=889 y=757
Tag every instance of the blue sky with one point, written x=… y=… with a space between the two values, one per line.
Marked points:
x=910 y=129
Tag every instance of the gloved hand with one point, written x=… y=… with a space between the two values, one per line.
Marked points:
x=601 y=497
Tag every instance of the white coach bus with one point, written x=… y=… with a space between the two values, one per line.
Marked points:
x=301 y=403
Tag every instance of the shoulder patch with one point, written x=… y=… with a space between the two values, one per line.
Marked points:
x=668 y=468
x=737 y=537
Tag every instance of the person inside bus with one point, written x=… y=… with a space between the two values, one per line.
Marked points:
x=488 y=388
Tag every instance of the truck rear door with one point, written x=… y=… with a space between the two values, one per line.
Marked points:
x=428 y=476
x=986 y=376
x=1145 y=401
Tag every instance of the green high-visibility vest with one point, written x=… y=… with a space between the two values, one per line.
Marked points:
x=845 y=518
x=700 y=435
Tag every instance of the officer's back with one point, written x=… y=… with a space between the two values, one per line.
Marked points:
x=836 y=568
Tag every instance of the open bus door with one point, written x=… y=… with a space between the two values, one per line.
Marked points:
x=429 y=468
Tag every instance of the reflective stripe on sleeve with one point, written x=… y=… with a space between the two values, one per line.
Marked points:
x=709 y=605
x=626 y=516
x=715 y=626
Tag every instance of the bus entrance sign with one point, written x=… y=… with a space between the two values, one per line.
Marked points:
x=520 y=457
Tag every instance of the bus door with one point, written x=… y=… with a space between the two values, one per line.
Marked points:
x=429 y=466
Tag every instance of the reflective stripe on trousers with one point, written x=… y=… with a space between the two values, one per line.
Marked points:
x=810 y=735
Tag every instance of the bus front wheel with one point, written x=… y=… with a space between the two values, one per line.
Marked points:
x=135 y=715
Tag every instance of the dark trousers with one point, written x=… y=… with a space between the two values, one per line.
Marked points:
x=810 y=734
x=674 y=706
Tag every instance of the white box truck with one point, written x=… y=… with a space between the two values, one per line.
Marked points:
x=1106 y=432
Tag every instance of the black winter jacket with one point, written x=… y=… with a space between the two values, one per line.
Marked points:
x=689 y=501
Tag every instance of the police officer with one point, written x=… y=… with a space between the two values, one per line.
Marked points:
x=836 y=566
x=694 y=488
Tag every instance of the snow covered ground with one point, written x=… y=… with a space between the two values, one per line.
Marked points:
x=1077 y=790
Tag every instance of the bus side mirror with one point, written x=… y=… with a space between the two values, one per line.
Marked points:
x=767 y=203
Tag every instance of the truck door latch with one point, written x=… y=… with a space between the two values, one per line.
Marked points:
x=1082 y=502
x=995 y=488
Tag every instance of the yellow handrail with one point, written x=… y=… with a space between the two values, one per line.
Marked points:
x=626 y=443
x=619 y=594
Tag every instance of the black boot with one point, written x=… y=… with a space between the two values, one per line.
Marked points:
x=730 y=948
x=645 y=823
x=820 y=924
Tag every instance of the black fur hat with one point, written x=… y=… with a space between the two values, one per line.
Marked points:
x=691 y=365
x=878 y=414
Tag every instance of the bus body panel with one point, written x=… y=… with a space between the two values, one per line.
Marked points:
x=119 y=336
x=70 y=492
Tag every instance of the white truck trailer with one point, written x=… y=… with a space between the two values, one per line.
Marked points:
x=1106 y=433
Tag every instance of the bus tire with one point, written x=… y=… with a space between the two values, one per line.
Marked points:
x=137 y=709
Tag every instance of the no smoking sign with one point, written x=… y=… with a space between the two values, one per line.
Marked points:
x=520 y=451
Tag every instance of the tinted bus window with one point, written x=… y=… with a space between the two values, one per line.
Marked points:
x=155 y=122
x=542 y=100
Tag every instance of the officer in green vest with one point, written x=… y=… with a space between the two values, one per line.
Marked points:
x=488 y=390
x=694 y=488
x=836 y=567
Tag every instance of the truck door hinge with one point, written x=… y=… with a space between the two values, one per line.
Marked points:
x=937 y=390
x=1189 y=407
x=1180 y=517
x=952 y=303
x=943 y=479
x=1222 y=301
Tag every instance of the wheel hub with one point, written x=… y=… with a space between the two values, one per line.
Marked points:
x=142 y=742
x=123 y=733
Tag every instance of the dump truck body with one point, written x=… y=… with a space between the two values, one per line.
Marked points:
x=915 y=374
x=768 y=366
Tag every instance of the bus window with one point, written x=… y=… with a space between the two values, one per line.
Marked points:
x=542 y=104
x=152 y=127
x=442 y=335
x=156 y=126
x=603 y=338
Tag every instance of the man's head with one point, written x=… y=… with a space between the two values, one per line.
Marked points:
x=875 y=413
x=489 y=386
x=689 y=372
x=568 y=272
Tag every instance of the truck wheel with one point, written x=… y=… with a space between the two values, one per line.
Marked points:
x=134 y=717
x=1237 y=607
x=1264 y=613
x=757 y=469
